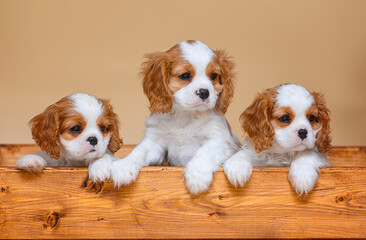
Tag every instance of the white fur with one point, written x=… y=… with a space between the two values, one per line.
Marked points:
x=79 y=148
x=78 y=152
x=299 y=99
x=199 y=55
x=288 y=149
x=193 y=134
x=31 y=163
x=238 y=169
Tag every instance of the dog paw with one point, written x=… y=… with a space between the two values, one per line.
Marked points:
x=238 y=171
x=31 y=163
x=303 y=180
x=197 y=180
x=124 y=172
x=100 y=171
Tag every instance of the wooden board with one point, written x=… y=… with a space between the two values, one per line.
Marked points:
x=60 y=204
x=347 y=156
x=10 y=153
x=337 y=156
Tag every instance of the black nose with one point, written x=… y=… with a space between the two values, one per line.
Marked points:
x=92 y=140
x=203 y=93
x=302 y=133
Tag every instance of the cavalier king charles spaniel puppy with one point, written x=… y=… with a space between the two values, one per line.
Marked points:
x=189 y=88
x=286 y=126
x=78 y=130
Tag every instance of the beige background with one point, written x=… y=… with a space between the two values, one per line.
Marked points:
x=49 y=49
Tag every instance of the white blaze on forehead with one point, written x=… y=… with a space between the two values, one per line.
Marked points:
x=197 y=53
x=294 y=96
x=88 y=106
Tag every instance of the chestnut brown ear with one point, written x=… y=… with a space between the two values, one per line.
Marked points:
x=115 y=142
x=227 y=65
x=155 y=73
x=256 y=121
x=323 y=137
x=45 y=129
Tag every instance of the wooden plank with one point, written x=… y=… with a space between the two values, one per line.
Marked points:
x=9 y=154
x=337 y=156
x=58 y=204
x=347 y=156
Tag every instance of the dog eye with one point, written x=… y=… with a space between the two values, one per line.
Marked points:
x=76 y=129
x=285 y=119
x=102 y=128
x=312 y=118
x=213 y=76
x=185 y=76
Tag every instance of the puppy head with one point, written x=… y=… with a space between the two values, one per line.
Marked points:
x=290 y=116
x=79 y=126
x=190 y=75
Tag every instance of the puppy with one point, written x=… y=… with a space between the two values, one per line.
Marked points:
x=189 y=88
x=78 y=130
x=286 y=126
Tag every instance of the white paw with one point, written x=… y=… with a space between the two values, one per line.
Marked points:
x=124 y=172
x=100 y=170
x=31 y=163
x=197 y=179
x=303 y=180
x=238 y=171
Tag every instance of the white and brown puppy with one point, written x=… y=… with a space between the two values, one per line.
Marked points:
x=78 y=130
x=189 y=88
x=286 y=126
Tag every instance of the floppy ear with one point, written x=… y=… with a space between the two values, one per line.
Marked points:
x=155 y=73
x=227 y=65
x=323 y=137
x=256 y=122
x=45 y=129
x=115 y=142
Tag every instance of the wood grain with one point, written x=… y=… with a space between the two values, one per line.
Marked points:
x=347 y=156
x=59 y=203
x=10 y=153
x=337 y=156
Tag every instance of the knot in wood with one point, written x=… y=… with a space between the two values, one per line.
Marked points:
x=216 y=213
x=341 y=199
x=51 y=220
x=4 y=189
x=93 y=187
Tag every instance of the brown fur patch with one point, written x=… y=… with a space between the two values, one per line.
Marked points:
x=256 y=120
x=180 y=67
x=57 y=120
x=190 y=41
x=323 y=137
x=214 y=68
x=156 y=73
x=69 y=120
x=313 y=111
x=45 y=127
x=110 y=121
x=278 y=112
x=226 y=65
x=161 y=70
